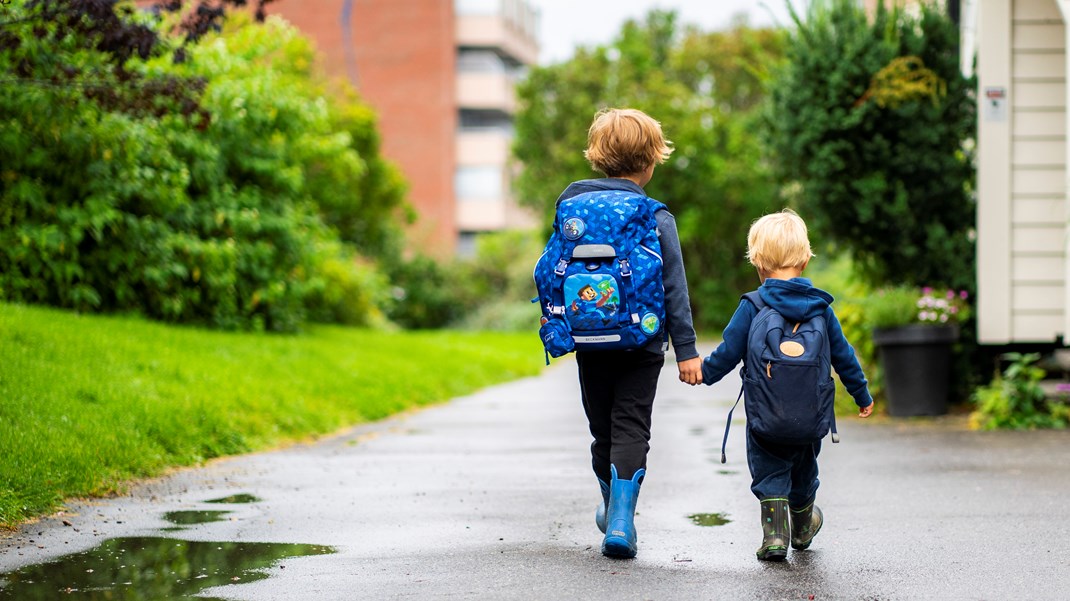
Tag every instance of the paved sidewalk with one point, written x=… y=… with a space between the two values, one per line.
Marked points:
x=491 y=497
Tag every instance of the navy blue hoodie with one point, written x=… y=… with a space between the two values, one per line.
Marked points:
x=797 y=300
x=678 y=323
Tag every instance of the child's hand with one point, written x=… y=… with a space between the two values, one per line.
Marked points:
x=866 y=411
x=691 y=370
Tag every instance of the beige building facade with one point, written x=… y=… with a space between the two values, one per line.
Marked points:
x=1023 y=275
x=496 y=44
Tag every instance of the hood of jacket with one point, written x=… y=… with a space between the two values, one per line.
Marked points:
x=605 y=183
x=796 y=299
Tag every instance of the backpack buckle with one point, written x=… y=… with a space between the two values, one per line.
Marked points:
x=561 y=266
x=625 y=268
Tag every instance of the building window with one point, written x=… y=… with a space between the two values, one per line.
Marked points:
x=485 y=120
x=482 y=182
x=480 y=61
x=466 y=244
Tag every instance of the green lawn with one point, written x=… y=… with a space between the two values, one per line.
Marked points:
x=88 y=403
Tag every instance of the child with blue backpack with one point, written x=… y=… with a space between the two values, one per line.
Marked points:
x=789 y=339
x=613 y=289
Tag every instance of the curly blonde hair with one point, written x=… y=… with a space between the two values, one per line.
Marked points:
x=778 y=241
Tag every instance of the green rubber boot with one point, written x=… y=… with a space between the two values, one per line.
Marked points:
x=775 y=530
x=805 y=524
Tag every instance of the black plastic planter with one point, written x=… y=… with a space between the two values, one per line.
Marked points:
x=917 y=367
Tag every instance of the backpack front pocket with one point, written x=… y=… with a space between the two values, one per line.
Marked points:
x=592 y=301
x=788 y=400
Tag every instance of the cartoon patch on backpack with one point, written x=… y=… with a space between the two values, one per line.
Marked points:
x=592 y=300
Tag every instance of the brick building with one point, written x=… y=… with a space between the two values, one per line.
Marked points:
x=440 y=73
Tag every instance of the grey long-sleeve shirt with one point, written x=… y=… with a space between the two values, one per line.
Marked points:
x=679 y=326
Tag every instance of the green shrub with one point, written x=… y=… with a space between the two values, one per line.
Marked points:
x=869 y=121
x=348 y=290
x=211 y=214
x=503 y=316
x=1015 y=400
x=426 y=294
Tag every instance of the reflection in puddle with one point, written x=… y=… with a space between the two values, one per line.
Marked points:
x=709 y=519
x=185 y=518
x=154 y=569
x=238 y=498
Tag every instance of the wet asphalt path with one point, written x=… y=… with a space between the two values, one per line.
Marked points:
x=491 y=497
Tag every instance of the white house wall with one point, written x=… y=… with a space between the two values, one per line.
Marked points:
x=1022 y=212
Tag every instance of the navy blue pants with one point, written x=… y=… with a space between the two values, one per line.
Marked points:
x=783 y=470
x=617 y=389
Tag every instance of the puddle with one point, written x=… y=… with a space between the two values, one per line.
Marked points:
x=709 y=519
x=237 y=499
x=697 y=430
x=136 y=569
x=186 y=518
x=727 y=472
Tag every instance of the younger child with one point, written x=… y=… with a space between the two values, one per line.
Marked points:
x=783 y=472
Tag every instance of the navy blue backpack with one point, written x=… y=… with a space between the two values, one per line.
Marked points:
x=600 y=278
x=788 y=388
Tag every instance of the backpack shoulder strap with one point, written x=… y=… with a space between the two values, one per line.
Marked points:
x=755 y=299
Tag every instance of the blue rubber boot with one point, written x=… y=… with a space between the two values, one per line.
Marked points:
x=600 y=513
x=620 y=540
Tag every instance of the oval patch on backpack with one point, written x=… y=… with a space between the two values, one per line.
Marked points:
x=792 y=348
x=574 y=228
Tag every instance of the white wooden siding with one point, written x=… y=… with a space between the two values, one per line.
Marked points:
x=1039 y=269
x=1036 y=11
x=1040 y=124
x=1038 y=211
x=1030 y=181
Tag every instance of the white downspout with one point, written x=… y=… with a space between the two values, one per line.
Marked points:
x=1064 y=9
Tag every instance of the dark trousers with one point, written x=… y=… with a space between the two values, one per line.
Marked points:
x=783 y=470
x=617 y=389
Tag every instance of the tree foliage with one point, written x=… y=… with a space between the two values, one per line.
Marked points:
x=703 y=88
x=221 y=185
x=870 y=123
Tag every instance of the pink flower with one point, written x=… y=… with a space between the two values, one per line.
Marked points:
x=964 y=295
x=950 y=294
x=926 y=290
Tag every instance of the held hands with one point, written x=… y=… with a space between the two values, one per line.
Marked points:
x=866 y=411
x=690 y=370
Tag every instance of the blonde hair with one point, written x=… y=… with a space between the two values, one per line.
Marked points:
x=778 y=241
x=625 y=141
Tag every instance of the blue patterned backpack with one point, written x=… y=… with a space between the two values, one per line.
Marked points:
x=600 y=277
